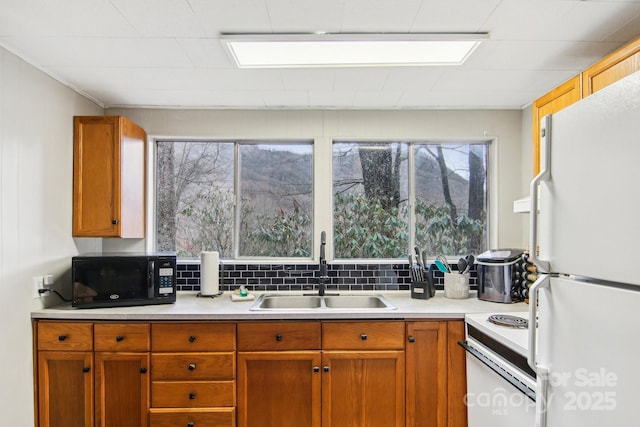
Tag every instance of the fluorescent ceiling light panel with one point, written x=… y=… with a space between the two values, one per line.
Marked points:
x=350 y=50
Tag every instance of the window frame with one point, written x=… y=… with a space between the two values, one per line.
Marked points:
x=323 y=155
x=151 y=239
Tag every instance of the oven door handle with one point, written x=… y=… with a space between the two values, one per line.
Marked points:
x=531 y=394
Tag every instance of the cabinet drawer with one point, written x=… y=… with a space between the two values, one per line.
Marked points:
x=269 y=336
x=175 y=337
x=214 y=417
x=193 y=366
x=67 y=336
x=362 y=335
x=192 y=394
x=121 y=336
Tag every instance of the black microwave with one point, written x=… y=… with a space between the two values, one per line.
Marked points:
x=123 y=279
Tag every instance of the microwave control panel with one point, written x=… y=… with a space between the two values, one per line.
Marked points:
x=166 y=280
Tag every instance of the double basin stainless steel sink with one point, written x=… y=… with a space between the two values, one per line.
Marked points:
x=326 y=302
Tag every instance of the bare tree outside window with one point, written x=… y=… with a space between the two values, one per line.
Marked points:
x=197 y=201
x=371 y=207
x=451 y=197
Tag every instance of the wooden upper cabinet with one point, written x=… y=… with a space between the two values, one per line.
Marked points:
x=109 y=175
x=554 y=101
x=611 y=68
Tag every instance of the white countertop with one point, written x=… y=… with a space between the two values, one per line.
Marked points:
x=190 y=307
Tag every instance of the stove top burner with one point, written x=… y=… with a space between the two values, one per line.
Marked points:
x=509 y=321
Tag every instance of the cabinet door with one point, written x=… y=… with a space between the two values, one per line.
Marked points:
x=611 y=68
x=96 y=177
x=122 y=389
x=279 y=389
x=427 y=374
x=363 y=389
x=554 y=101
x=456 y=375
x=65 y=389
x=109 y=167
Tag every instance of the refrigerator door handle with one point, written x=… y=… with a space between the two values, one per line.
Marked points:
x=542 y=373
x=542 y=282
x=543 y=175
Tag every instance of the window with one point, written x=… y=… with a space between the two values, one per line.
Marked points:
x=243 y=199
x=389 y=196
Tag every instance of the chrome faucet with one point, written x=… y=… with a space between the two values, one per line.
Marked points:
x=323 y=278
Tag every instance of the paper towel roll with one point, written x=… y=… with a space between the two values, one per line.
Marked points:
x=209 y=273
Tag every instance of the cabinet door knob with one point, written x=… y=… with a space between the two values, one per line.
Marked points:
x=192 y=366
x=62 y=337
x=86 y=369
x=278 y=337
x=114 y=221
x=192 y=338
x=192 y=396
x=191 y=424
x=326 y=369
x=316 y=369
x=363 y=337
x=119 y=338
x=412 y=339
x=143 y=370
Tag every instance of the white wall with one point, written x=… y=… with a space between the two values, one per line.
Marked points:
x=36 y=175
x=323 y=126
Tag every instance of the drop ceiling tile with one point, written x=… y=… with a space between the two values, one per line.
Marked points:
x=377 y=99
x=206 y=52
x=305 y=16
x=160 y=18
x=235 y=16
x=343 y=99
x=316 y=79
x=531 y=55
x=359 y=79
x=453 y=16
x=102 y=52
x=379 y=15
x=286 y=99
x=89 y=18
x=413 y=78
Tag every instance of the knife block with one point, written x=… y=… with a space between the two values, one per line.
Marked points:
x=423 y=289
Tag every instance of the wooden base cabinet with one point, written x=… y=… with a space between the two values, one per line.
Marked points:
x=279 y=389
x=122 y=389
x=193 y=374
x=436 y=374
x=363 y=389
x=64 y=377
x=65 y=392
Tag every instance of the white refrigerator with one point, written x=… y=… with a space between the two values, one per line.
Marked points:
x=586 y=347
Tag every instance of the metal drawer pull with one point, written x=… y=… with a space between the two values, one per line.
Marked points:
x=191 y=424
x=119 y=338
x=316 y=369
x=192 y=366
x=192 y=396
x=412 y=339
x=278 y=337
x=192 y=338
x=143 y=370
x=364 y=337
x=86 y=369
x=326 y=369
x=62 y=337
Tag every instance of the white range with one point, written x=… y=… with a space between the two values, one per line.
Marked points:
x=500 y=384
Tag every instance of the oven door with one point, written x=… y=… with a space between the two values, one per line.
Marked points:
x=498 y=393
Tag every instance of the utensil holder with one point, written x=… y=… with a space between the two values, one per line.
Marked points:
x=423 y=289
x=456 y=285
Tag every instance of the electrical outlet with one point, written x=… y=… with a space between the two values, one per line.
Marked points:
x=38 y=283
